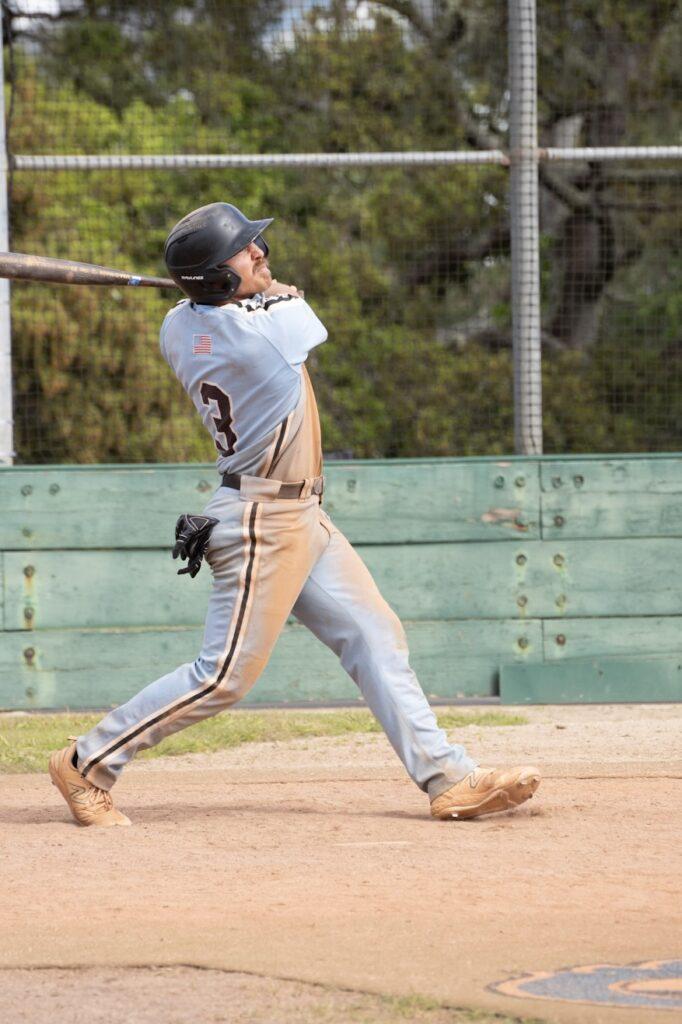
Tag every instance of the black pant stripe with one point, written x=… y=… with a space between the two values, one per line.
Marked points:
x=186 y=701
x=245 y=597
x=280 y=439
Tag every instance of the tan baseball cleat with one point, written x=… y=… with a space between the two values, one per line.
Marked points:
x=485 y=791
x=88 y=804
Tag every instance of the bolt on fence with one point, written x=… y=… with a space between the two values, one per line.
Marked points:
x=497 y=259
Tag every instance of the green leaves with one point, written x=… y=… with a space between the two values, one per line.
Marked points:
x=407 y=265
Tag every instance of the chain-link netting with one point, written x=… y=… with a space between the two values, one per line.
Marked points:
x=409 y=272
x=609 y=75
x=612 y=342
x=407 y=264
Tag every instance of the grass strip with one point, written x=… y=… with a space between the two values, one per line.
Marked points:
x=26 y=741
x=430 y=1011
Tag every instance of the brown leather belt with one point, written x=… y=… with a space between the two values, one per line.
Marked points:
x=285 y=490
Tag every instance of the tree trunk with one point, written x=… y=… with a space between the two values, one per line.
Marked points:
x=585 y=252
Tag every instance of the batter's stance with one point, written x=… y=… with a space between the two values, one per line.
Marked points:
x=238 y=343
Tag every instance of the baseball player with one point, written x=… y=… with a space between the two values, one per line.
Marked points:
x=238 y=343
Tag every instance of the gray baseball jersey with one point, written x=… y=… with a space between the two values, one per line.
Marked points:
x=242 y=365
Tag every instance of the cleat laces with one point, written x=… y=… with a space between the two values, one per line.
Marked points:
x=92 y=798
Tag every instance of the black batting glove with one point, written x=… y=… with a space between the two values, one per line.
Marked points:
x=192 y=533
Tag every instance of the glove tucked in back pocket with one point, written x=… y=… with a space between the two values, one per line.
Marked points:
x=192 y=534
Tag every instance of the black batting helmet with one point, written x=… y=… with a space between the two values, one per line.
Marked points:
x=201 y=242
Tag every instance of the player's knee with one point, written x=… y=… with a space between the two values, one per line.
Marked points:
x=232 y=683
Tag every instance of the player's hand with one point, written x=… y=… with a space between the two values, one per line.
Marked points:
x=277 y=288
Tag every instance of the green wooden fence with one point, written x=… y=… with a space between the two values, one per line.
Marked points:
x=540 y=579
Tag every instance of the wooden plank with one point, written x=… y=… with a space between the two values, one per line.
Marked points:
x=55 y=589
x=46 y=507
x=61 y=589
x=373 y=502
x=611 y=498
x=638 y=576
x=440 y=500
x=593 y=681
x=99 y=668
x=630 y=636
x=98 y=506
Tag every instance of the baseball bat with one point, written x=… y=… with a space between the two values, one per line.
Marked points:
x=21 y=267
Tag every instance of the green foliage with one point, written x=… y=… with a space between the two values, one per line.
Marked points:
x=614 y=61
x=408 y=266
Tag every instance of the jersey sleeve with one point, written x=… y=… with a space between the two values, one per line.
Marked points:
x=290 y=325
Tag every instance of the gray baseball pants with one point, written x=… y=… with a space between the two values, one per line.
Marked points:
x=269 y=558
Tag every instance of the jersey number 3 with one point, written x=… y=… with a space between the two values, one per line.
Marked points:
x=212 y=394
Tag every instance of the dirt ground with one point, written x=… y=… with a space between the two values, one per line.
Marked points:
x=254 y=876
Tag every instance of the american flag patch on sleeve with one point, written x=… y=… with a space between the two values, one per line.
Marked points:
x=201 y=344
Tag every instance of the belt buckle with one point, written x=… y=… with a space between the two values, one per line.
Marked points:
x=318 y=485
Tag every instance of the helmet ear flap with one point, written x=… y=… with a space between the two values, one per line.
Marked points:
x=222 y=278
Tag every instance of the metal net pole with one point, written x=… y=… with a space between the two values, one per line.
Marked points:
x=523 y=203
x=6 y=415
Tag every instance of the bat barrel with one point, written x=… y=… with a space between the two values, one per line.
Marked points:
x=23 y=267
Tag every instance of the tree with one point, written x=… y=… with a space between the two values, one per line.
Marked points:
x=601 y=68
x=409 y=266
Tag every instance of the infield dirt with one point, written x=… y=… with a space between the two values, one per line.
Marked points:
x=316 y=862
